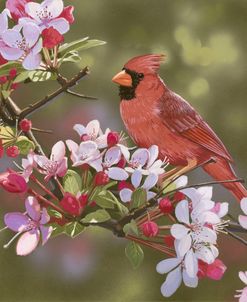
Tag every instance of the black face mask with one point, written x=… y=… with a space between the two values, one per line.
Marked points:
x=128 y=93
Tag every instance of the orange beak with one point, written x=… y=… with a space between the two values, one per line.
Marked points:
x=123 y=79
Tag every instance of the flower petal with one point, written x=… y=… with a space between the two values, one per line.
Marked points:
x=33 y=208
x=136 y=178
x=3 y=21
x=93 y=128
x=27 y=243
x=191 y=264
x=12 y=38
x=182 y=211
x=80 y=129
x=150 y=195
x=45 y=233
x=150 y=181
x=60 y=24
x=140 y=157
x=55 y=7
x=31 y=61
x=243 y=277
x=243 y=205
x=125 y=195
x=62 y=167
x=33 y=10
x=179 y=231
x=11 y=53
x=153 y=155
x=31 y=33
x=167 y=265
x=205 y=254
x=16 y=222
x=44 y=216
x=242 y=219
x=112 y=156
x=206 y=192
x=188 y=281
x=172 y=283
x=184 y=245
x=58 y=151
x=182 y=181
x=72 y=146
x=117 y=173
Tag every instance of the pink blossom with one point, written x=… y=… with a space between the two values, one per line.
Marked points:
x=47 y=14
x=13 y=182
x=24 y=45
x=67 y=14
x=17 y=8
x=30 y=226
x=56 y=165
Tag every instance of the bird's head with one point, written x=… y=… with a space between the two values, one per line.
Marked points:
x=137 y=73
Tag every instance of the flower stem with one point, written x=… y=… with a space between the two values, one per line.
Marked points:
x=34 y=179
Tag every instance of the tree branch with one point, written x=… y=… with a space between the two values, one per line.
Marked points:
x=65 y=86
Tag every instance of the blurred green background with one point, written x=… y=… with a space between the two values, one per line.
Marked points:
x=206 y=45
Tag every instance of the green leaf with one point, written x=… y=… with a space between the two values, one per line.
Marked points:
x=6 y=93
x=71 y=56
x=57 y=230
x=55 y=213
x=97 y=216
x=72 y=182
x=134 y=253
x=131 y=228
x=78 y=45
x=4 y=69
x=22 y=76
x=169 y=188
x=41 y=76
x=138 y=198
x=110 y=184
x=105 y=199
x=74 y=229
x=24 y=145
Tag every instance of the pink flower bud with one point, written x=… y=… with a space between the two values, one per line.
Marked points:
x=125 y=185
x=83 y=199
x=51 y=37
x=216 y=270
x=112 y=139
x=25 y=125
x=169 y=240
x=13 y=182
x=71 y=204
x=67 y=14
x=122 y=162
x=3 y=80
x=101 y=179
x=12 y=73
x=13 y=151
x=14 y=86
x=166 y=206
x=178 y=196
x=2 y=60
x=150 y=229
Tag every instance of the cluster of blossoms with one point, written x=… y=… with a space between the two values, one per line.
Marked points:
x=39 y=27
x=101 y=175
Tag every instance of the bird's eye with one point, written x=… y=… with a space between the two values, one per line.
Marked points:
x=140 y=75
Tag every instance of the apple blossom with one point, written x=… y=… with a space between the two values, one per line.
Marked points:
x=51 y=37
x=47 y=14
x=178 y=269
x=24 y=45
x=13 y=182
x=56 y=165
x=30 y=225
x=85 y=153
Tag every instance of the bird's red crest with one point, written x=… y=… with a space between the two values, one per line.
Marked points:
x=146 y=63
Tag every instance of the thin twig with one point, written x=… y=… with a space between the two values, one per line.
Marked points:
x=240 y=239
x=32 y=108
x=83 y=96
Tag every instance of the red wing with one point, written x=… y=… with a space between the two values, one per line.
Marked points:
x=180 y=117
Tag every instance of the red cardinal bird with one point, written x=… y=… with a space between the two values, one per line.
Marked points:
x=155 y=115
